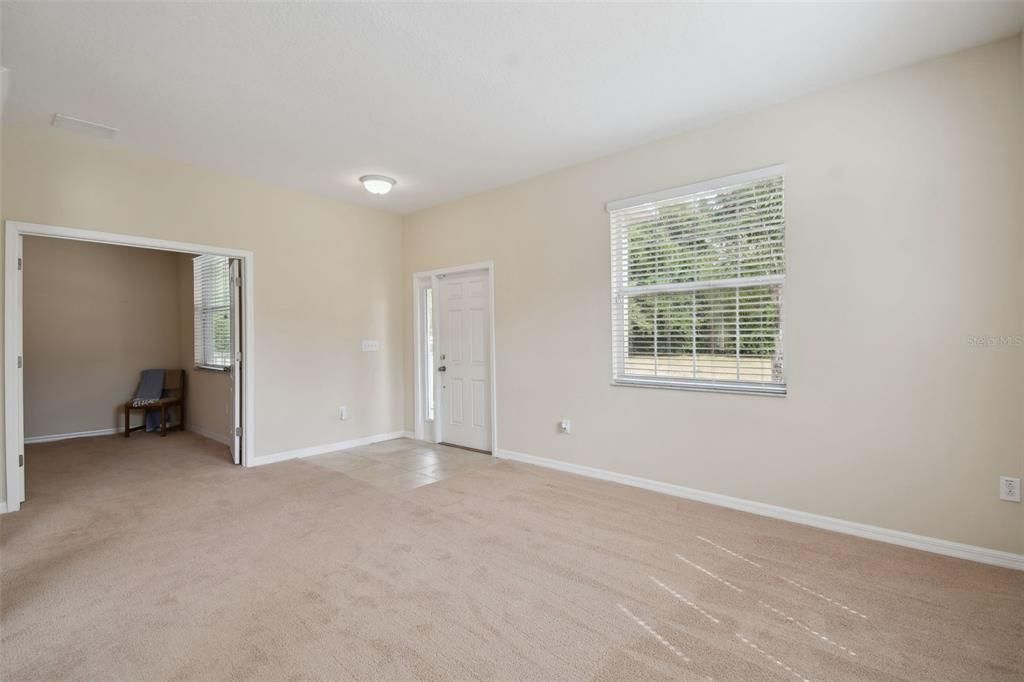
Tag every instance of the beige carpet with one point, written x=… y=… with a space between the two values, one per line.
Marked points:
x=157 y=560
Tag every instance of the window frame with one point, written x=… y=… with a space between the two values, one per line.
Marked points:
x=428 y=350
x=620 y=291
x=201 y=310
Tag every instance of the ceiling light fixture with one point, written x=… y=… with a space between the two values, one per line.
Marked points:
x=377 y=184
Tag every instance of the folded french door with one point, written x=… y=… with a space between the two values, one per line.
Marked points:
x=236 y=360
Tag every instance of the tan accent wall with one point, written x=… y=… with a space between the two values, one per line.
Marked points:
x=209 y=392
x=328 y=274
x=904 y=241
x=95 y=316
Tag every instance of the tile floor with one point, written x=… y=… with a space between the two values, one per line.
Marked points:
x=401 y=464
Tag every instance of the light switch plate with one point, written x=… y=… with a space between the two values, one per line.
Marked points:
x=1009 y=489
x=371 y=346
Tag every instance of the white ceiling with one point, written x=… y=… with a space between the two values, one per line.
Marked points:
x=449 y=99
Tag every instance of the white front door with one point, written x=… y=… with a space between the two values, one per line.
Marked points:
x=464 y=359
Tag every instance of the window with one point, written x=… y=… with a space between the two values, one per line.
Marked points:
x=428 y=347
x=211 y=291
x=697 y=278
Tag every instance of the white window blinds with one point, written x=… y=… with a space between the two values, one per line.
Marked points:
x=697 y=279
x=211 y=290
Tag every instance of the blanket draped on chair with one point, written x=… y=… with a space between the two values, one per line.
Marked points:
x=151 y=389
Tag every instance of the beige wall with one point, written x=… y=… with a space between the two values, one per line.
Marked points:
x=327 y=274
x=904 y=238
x=95 y=316
x=4 y=79
x=209 y=392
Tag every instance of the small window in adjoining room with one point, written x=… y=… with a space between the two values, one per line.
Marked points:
x=697 y=278
x=211 y=292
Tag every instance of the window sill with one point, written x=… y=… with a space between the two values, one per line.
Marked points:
x=777 y=390
x=209 y=368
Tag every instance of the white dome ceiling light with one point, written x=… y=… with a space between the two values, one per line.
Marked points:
x=377 y=184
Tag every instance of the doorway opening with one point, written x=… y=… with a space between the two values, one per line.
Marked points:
x=126 y=331
x=455 y=397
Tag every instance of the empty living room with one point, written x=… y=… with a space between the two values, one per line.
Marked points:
x=512 y=341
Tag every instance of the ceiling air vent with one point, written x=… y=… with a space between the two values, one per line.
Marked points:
x=84 y=127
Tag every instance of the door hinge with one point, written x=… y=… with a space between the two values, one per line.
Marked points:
x=19 y=264
x=19 y=362
x=238 y=431
x=21 y=460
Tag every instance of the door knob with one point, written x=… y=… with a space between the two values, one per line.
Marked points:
x=442 y=368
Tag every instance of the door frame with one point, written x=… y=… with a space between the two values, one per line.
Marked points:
x=431 y=430
x=14 y=425
x=237 y=382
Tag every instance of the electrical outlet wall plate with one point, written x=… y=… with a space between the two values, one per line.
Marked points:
x=1009 y=489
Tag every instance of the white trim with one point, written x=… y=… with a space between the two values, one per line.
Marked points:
x=118 y=239
x=959 y=550
x=697 y=187
x=431 y=275
x=705 y=385
x=420 y=423
x=314 y=450
x=14 y=425
x=29 y=440
x=3 y=507
x=13 y=395
x=483 y=265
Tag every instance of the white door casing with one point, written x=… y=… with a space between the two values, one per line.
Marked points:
x=464 y=353
x=236 y=360
x=14 y=436
x=14 y=404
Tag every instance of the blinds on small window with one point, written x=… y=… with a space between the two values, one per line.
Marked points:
x=212 y=296
x=697 y=277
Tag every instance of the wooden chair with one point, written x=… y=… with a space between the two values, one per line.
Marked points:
x=173 y=395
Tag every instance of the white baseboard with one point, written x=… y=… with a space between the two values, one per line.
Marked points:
x=959 y=550
x=329 y=447
x=109 y=432
x=3 y=507
x=66 y=436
